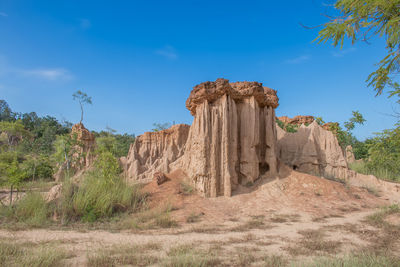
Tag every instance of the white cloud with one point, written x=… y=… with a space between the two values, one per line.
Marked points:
x=48 y=74
x=298 y=60
x=85 y=24
x=167 y=52
x=343 y=52
x=3 y=14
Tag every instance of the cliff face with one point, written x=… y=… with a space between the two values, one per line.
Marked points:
x=312 y=150
x=233 y=136
x=154 y=152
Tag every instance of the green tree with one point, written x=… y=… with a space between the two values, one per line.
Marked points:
x=15 y=176
x=319 y=120
x=345 y=137
x=6 y=113
x=384 y=154
x=362 y=20
x=15 y=132
x=65 y=147
x=83 y=99
x=161 y=126
x=357 y=118
x=108 y=166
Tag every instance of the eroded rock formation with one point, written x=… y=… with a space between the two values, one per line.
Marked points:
x=233 y=136
x=297 y=120
x=86 y=145
x=154 y=152
x=83 y=157
x=312 y=150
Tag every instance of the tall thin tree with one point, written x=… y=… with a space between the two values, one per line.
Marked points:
x=83 y=99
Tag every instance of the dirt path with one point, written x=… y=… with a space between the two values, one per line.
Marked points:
x=275 y=235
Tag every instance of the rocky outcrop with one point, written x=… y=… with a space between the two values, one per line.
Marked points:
x=233 y=136
x=83 y=156
x=54 y=193
x=297 y=120
x=85 y=147
x=154 y=152
x=312 y=150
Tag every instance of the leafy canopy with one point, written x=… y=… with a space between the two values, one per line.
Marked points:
x=362 y=20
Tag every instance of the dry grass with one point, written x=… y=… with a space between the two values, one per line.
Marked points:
x=206 y=229
x=125 y=255
x=255 y=222
x=29 y=254
x=193 y=217
x=149 y=219
x=186 y=255
x=281 y=218
x=312 y=243
x=274 y=261
x=390 y=234
x=372 y=190
x=354 y=260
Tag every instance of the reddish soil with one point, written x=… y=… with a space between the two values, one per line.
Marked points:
x=295 y=193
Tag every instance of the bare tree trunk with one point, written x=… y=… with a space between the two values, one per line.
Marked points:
x=11 y=193
x=34 y=171
x=81 y=112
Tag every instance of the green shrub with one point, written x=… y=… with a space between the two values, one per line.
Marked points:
x=377 y=170
x=32 y=209
x=100 y=197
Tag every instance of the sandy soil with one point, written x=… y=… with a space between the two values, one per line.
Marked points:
x=272 y=217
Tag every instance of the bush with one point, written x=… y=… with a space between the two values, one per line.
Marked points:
x=103 y=192
x=32 y=209
x=99 y=197
x=384 y=154
x=369 y=168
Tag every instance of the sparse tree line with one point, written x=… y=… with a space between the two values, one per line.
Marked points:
x=33 y=148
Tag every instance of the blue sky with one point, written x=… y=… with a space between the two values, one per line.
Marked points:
x=140 y=59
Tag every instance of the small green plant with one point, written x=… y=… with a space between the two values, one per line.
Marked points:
x=186 y=188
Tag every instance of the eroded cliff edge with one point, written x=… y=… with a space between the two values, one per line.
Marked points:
x=154 y=152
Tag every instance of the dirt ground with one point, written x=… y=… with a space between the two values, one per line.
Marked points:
x=295 y=217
